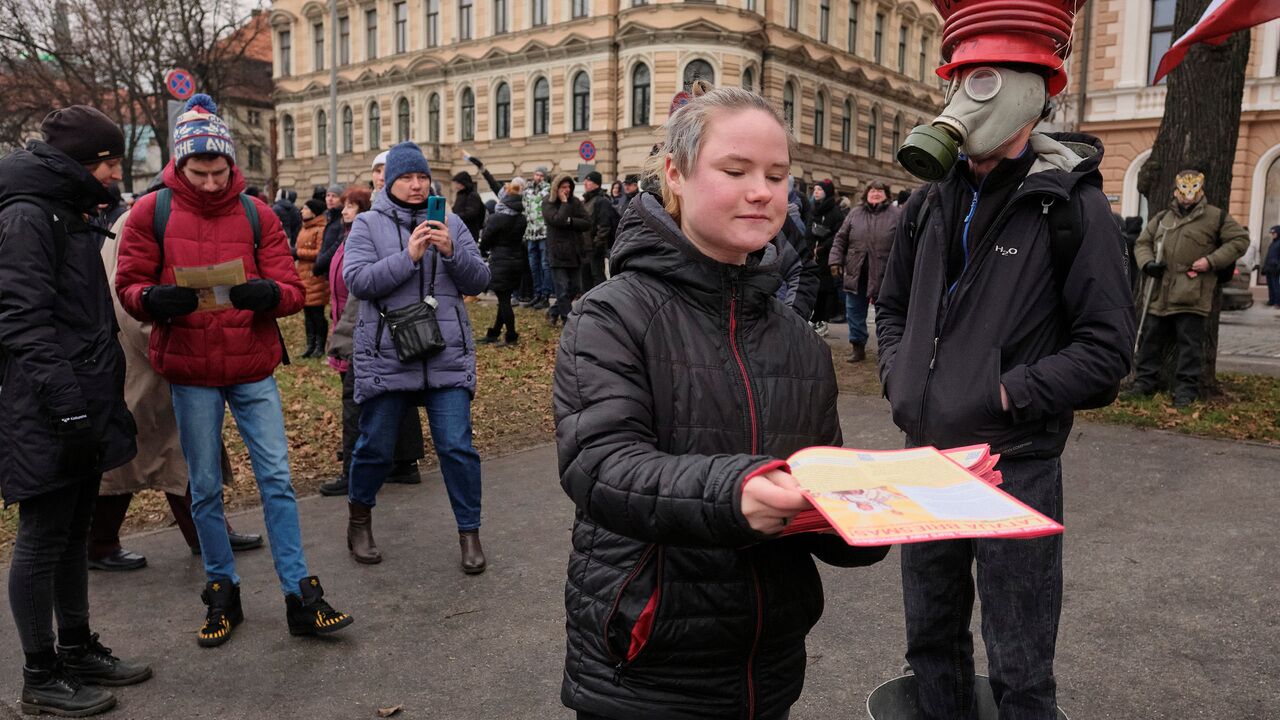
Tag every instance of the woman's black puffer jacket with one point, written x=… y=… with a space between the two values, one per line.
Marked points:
x=503 y=241
x=675 y=380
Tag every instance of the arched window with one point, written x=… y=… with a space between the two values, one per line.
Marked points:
x=581 y=102
x=468 y=129
x=502 y=112
x=541 y=106
x=640 y=95
x=846 y=127
x=402 y=120
x=348 y=129
x=698 y=70
x=288 y=132
x=748 y=79
x=820 y=120
x=322 y=133
x=873 y=134
x=897 y=135
x=789 y=105
x=375 y=126
x=433 y=118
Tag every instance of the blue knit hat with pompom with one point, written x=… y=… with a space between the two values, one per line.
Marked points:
x=200 y=131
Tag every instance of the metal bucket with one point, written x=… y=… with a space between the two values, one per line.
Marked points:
x=896 y=700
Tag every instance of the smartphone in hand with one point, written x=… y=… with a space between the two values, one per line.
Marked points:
x=435 y=208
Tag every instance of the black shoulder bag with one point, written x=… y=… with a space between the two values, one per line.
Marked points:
x=415 y=332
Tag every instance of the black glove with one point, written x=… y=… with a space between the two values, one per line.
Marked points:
x=476 y=161
x=258 y=295
x=1154 y=269
x=79 y=445
x=165 y=302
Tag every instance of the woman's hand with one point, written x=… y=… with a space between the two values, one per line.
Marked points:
x=431 y=233
x=564 y=193
x=771 y=500
x=418 y=243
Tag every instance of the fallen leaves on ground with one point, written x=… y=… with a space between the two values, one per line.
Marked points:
x=387 y=712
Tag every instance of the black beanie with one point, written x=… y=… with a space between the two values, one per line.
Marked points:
x=317 y=207
x=84 y=134
x=595 y=177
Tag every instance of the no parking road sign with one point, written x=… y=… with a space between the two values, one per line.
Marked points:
x=180 y=83
x=587 y=150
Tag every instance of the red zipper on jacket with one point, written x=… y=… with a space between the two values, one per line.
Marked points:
x=613 y=610
x=755 y=643
x=742 y=367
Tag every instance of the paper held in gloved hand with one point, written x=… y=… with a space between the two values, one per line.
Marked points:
x=905 y=496
x=212 y=282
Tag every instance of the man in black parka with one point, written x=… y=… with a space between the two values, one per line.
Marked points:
x=62 y=400
x=988 y=335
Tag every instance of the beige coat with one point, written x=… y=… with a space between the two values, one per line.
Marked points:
x=1185 y=239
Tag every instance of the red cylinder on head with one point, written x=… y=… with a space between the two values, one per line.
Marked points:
x=999 y=32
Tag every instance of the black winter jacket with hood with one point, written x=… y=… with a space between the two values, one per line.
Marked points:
x=1055 y=343
x=502 y=240
x=676 y=380
x=59 y=356
x=568 y=226
x=468 y=205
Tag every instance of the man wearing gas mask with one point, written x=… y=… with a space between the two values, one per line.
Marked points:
x=1004 y=308
x=1182 y=249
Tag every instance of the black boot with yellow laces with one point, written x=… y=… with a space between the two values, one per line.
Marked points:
x=224 y=614
x=309 y=614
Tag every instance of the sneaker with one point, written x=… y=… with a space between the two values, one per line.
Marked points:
x=1181 y=401
x=58 y=692
x=335 y=487
x=309 y=614
x=540 y=304
x=405 y=473
x=94 y=664
x=223 y=615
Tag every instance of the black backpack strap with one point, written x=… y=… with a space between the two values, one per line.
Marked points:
x=160 y=219
x=922 y=214
x=251 y=212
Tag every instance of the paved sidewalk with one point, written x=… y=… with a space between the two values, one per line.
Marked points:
x=1170 y=609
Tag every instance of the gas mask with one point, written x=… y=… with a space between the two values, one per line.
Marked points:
x=986 y=106
x=1189 y=187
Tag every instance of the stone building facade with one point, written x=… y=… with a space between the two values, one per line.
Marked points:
x=524 y=83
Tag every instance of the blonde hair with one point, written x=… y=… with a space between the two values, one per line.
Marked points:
x=686 y=130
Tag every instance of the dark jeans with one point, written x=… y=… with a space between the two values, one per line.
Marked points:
x=1020 y=583
x=593 y=268
x=1187 y=332
x=565 y=282
x=50 y=571
x=409 y=442
x=316 y=323
x=1273 y=289
x=506 y=316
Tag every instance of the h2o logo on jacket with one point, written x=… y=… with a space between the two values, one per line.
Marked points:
x=1006 y=251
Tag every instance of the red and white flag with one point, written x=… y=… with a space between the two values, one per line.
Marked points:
x=1219 y=20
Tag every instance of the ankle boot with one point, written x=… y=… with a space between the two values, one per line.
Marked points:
x=360 y=534
x=473 y=562
x=512 y=338
x=94 y=664
x=858 y=352
x=309 y=614
x=57 y=692
x=223 y=615
x=491 y=336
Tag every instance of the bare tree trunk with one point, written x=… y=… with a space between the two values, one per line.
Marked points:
x=1200 y=128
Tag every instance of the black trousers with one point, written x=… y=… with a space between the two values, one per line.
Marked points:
x=506 y=316
x=1186 y=331
x=316 y=323
x=409 y=441
x=50 y=571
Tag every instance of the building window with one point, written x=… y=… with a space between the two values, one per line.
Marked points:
x=286 y=53
x=581 y=102
x=433 y=23
x=820 y=121
x=348 y=129
x=873 y=134
x=322 y=133
x=499 y=16
x=640 y=96
x=344 y=40
x=402 y=26
x=793 y=14
x=254 y=118
x=638 y=3
x=464 y=19
x=255 y=157
x=846 y=128
x=749 y=80
x=902 y=49
x=375 y=126
x=924 y=56
x=751 y=5
x=855 y=9
x=402 y=121
x=541 y=105
x=789 y=105
x=1161 y=35
x=370 y=34
x=317 y=46
x=502 y=112
x=698 y=70
x=539 y=13
x=288 y=133
x=878 y=47
x=897 y=135
x=433 y=118
x=580 y=8
x=824 y=20
x=468 y=129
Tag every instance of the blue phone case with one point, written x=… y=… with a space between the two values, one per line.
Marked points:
x=435 y=208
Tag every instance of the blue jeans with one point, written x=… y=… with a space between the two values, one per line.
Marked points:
x=542 y=286
x=256 y=409
x=855 y=313
x=449 y=415
x=1020 y=582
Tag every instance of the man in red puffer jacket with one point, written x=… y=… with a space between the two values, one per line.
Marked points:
x=219 y=347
